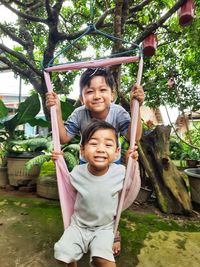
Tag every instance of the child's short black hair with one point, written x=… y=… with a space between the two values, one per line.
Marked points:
x=94 y=126
x=87 y=76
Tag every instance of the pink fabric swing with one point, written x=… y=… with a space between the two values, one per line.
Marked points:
x=132 y=183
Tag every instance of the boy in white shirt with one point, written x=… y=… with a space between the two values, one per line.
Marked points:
x=98 y=183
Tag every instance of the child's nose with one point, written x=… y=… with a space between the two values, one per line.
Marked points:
x=96 y=94
x=100 y=148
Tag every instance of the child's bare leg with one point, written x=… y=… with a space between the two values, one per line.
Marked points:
x=100 y=262
x=72 y=264
x=63 y=264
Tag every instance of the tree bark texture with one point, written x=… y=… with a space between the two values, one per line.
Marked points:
x=168 y=182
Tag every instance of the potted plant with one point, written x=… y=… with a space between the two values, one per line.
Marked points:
x=18 y=147
x=192 y=156
x=20 y=152
x=46 y=184
x=10 y=134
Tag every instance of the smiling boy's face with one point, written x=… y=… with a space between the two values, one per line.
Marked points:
x=100 y=151
x=97 y=97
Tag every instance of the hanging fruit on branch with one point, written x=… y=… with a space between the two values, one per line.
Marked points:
x=186 y=13
x=149 y=45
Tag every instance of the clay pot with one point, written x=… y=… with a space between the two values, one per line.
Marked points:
x=186 y=13
x=149 y=45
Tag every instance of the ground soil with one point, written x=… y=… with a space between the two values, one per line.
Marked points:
x=26 y=244
x=148 y=207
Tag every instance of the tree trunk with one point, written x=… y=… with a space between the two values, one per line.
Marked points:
x=168 y=182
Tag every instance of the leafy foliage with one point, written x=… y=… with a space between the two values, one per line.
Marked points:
x=25 y=113
x=71 y=156
x=182 y=151
x=31 y=145
x=44 y=29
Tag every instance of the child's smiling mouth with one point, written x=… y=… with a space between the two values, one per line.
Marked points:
x=100 y=158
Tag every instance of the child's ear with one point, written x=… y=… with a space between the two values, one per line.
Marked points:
x=81 y=99
x=113 y=97
x=117 y=152
x=82 y=151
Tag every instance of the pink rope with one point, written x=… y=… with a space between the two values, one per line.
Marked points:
x=99 y=63
x=132 y=182
x=66 y=191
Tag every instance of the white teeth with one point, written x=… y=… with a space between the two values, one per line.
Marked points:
x=100 y=158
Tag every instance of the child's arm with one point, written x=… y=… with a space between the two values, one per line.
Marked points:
x=138 y=93
x=51 y=100
x=56 y=154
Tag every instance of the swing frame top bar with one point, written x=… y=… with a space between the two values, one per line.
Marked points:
x=96 y=62
x=99 y=63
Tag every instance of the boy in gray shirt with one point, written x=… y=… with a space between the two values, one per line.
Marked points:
x=97 y=95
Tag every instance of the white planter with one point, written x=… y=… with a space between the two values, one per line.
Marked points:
x=194 y=181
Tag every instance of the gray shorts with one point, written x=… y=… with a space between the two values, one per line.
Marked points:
x=76 y=241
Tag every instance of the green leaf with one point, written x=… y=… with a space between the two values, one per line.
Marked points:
x=39 y=160
x=28 y=109
x=66 y=108
x=26 y=112
x=3 y=110
x=39 y=122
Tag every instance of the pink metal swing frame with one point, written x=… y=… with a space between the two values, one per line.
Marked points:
x=132 y=182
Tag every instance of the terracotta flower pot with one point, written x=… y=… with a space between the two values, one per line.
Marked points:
x=186 y=13
x=17 y=173
x=3 y=177
x=149 y=45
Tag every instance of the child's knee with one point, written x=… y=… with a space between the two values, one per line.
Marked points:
x=61 y=263
x=97 y=261
x=64 y=264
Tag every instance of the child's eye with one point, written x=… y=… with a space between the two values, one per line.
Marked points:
x=103 y=90
x=93 y=143
x=89 y=92
x=108 y=145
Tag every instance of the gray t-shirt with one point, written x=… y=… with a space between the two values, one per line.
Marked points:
x=97 y=196
x=118 y=117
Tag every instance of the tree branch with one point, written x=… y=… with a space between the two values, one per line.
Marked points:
x=154 y=26
x=20 y=57
x=23 y=15
x=13 y=66
x=14 y=37
x=48 y=8
x=25 y=5
x=36 y=80
x=140 y=6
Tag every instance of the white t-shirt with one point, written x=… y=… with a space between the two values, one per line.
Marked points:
x=97 y=196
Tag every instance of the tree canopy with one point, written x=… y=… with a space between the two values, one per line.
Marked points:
x=45 y=27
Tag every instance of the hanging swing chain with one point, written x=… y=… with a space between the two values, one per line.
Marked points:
x=91 y=27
